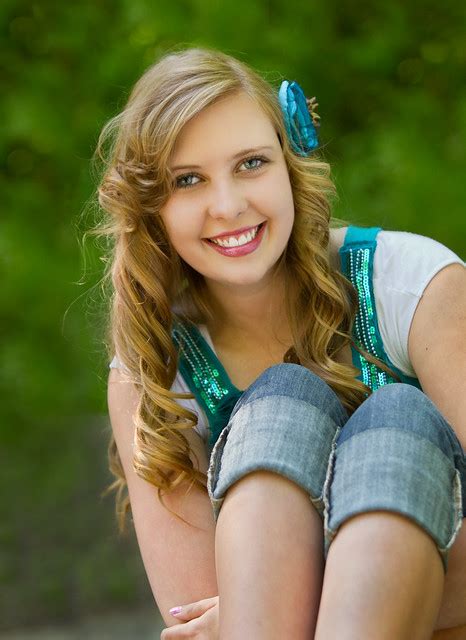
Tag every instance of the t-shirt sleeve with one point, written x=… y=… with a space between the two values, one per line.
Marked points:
x=404 y=264
x=179 y=386
x=116 y=363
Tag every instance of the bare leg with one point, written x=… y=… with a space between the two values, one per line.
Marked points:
x=269 y=559
x=383 y=580
x=456 y=633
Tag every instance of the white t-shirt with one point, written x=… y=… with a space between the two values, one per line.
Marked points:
x=404 y=264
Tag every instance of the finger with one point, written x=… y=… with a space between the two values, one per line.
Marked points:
x=179 y=632
x=194 y=609
x=205 y=627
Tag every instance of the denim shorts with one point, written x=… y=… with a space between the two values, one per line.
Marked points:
x=395 y=453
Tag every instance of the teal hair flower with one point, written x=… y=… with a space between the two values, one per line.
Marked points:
x=300 y=117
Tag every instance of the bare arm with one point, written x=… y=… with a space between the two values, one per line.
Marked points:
x=437 y=349
x=437 y=345
x=179 y=559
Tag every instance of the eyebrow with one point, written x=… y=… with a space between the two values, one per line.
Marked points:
x=243 y=152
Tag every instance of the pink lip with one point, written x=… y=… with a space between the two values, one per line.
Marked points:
x=238 y=232
x=236 y=252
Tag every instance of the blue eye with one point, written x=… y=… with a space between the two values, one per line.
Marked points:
x=259 y=159
x=180 y=180
x=183 y=185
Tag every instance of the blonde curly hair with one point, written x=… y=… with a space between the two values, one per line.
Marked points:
x=147 y=276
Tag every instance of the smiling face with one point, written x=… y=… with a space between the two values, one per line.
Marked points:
x=229 y=177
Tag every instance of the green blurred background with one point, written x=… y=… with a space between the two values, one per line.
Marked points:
x=390 y=81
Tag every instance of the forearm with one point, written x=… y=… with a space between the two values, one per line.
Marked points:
x=179 y=559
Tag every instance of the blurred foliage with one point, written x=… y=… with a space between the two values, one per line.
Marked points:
x=389 y=77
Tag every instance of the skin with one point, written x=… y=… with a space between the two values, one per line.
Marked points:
x=398 y=594
x=226 y=195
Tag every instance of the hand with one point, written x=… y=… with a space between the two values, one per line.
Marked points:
x=200 y=621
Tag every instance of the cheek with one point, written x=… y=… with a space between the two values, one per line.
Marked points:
x=181 y=224
x=280 y=201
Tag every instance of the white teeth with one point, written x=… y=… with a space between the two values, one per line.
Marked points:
x=233 y=241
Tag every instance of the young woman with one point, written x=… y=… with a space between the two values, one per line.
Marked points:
x=287 y=391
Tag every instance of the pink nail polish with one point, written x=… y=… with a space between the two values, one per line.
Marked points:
x=175 y=611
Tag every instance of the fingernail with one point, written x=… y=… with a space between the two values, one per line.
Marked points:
x=175 y=611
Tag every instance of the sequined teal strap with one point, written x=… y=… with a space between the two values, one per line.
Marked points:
x=357 y=258
x=208 y=380
x=205 y=376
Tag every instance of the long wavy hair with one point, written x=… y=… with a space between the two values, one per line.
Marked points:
x=147 y=277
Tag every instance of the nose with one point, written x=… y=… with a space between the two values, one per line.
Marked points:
x=226 y=200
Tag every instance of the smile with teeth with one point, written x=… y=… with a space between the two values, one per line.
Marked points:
x=236 y=241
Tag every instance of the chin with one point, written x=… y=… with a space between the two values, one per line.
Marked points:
x=250 y=278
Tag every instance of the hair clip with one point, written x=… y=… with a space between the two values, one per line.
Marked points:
x=300 y=117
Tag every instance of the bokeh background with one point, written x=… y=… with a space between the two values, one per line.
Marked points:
x=390 y=81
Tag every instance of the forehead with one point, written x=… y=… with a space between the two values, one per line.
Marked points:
x=232 y=123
